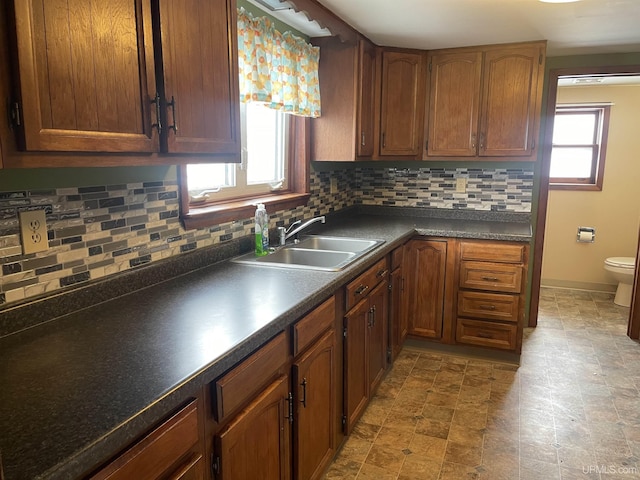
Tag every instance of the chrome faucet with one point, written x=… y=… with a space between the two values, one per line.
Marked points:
x=285 y=233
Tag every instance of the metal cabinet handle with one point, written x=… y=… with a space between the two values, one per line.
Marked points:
x=473 y=141
x=481 y=141
x=361 y=289
x=488 y=307
x=484 y=335
x=373 y=316
x=158 y=124
x=362 y=139
x=382 y=273
x=304 y=392
x=172 y=104
x=384 y=140
x=490 y=279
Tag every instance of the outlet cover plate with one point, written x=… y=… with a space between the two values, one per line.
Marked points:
x=33 y=229
x=461 y=185
x=334 y=185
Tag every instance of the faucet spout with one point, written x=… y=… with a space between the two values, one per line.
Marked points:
x=286 y=234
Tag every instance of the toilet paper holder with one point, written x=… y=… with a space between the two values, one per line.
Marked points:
x=586 y=235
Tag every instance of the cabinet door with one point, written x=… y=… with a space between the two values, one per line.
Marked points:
x=397 y=313
x=378 y=318
x=509 y=106
x=426 y=281
x=315 y=384
x=200 y=61
x=366 y=98
x=86 y=75
x=402 y=108
x=454 y=104
x=256 y=444
x=356 y=359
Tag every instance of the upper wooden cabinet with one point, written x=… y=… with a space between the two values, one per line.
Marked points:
x=85 y=76
x=126 y=77
x=199 y=62
x=402 y=103
x=345 y=130
x=485 y=102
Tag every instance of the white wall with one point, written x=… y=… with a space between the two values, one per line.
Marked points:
x=614 y=211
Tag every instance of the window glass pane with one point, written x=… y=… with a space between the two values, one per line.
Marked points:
x=574 y=129
x=209 y=176
x=571 y=162
x=265 y=144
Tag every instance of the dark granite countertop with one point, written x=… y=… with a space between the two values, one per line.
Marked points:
x=75 y=390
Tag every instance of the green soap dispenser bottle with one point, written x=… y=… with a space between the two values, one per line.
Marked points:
x=262 y=231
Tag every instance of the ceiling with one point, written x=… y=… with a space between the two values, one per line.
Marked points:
x=582 y=27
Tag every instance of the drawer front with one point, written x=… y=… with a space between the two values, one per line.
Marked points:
x=313 y=325
x=365 y=283
x=486 y=334
x=396 y=258
x=497 y=277
x=244 y=381
x=153 y=455
x=492 y=306
x=492 y=252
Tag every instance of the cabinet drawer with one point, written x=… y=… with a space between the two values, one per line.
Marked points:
x=244 y=381
x=155 y=454
x=396 y=258
x=498 y=277
x=365 y=283
x=492 y=252
x=486 y=334
x=313 y=324
x=492 y=306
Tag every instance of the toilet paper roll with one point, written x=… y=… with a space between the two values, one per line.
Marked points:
x=585 y=236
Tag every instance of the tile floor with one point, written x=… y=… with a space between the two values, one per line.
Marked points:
x=571 y=410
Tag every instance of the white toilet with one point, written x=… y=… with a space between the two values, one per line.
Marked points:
x=622 y=269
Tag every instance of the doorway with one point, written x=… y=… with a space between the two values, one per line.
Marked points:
x=556 y=75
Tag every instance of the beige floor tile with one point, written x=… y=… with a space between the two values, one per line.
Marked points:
x=570 y=410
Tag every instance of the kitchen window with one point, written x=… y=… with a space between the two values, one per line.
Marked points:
x=279 y=91
x=579 y=147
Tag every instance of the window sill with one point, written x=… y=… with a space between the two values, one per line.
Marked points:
x=209 y=215
x=575 y=186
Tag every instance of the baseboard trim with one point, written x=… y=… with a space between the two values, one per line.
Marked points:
x=592 y=287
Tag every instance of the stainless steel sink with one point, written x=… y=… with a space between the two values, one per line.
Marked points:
x=315 y=253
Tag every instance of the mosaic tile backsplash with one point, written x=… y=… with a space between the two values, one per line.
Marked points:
x=97 y=231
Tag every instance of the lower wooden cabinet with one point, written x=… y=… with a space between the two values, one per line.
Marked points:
x=398 y=325
x=490 y=295
x=427 y=268
x=257 y=443
x=274 y=425
x=172 y=450
x=365 y=344
x=314 y=426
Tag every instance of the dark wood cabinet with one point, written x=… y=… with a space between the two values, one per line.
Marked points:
x=402 y=105
x=485 y=101
x=84 y=77
x=123 y=77
x=315 y=385
x=365 y=334
x=490 y=294
x=199 y=69
x=427 y=261
x=257 y=442
x=398 y=325
x=345 y=130
x=172 y=450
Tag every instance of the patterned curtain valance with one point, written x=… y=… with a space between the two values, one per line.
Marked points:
x=278 y=69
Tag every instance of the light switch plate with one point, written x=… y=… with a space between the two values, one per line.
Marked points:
x=33 y=229
x=461 y=185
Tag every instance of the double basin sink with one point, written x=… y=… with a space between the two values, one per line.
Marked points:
x=315 y=252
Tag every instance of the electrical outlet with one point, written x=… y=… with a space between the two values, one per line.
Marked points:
x=334 y=185
x=33 y=228
x=461 y=185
